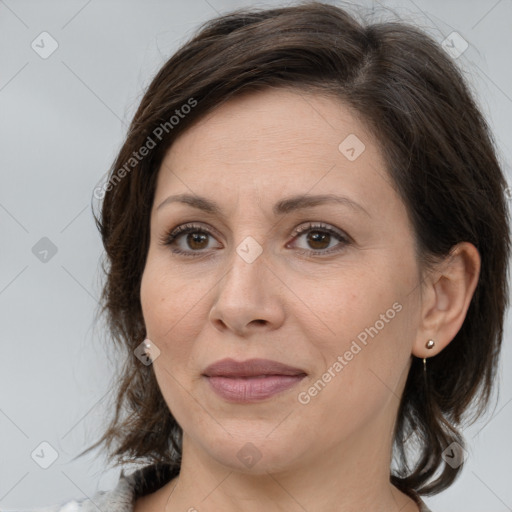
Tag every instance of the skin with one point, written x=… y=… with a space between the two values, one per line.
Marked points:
x=332 y=453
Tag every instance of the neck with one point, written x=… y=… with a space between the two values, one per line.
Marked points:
x=320 y=483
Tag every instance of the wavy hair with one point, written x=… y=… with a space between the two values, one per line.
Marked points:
x=440 y=156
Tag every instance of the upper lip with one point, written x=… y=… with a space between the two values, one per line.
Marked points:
x=250 y=368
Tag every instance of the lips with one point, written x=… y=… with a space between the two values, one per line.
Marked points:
x=251 y=380
x=250 y=368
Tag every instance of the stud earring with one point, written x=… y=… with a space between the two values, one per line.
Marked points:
x=429 y=345
x=147 y=350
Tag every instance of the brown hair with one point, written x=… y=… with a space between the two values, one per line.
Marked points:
x=441 y=159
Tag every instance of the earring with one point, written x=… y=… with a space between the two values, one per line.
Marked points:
x=147 y=350
x=429 y=345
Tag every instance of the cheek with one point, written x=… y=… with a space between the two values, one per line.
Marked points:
x=372 y=321
x=355 y=305
x=362 y=374
x=175 y=311
x=153 y=299
x=167 y=309
x=168 y=303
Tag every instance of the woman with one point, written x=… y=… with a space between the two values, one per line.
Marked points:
x=307 y=243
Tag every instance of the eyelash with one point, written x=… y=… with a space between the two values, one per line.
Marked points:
x=172 y=235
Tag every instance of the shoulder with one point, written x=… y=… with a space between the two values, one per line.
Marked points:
x=120 y=499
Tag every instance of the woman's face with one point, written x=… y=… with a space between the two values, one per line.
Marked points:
x=338 y=302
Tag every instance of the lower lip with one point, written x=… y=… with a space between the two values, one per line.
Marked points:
x=252 y=389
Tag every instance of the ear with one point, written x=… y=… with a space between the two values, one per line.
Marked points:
x=446 y=295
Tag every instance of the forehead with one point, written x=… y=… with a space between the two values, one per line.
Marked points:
x=266 y=122
x=277 y=141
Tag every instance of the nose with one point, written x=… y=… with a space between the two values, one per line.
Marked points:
x=249 y=298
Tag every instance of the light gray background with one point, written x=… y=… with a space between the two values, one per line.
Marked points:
x=62 y=121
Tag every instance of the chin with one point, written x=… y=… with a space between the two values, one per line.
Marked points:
x=253 y=452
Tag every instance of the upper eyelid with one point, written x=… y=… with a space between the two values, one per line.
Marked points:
x=312 y=225
x=178 y=230
x=299 y=230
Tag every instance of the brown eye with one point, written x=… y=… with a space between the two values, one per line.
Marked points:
x=189 y=240
x=320 y=239
x=196 y=240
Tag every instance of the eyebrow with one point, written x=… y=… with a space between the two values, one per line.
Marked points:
x=282 y=207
